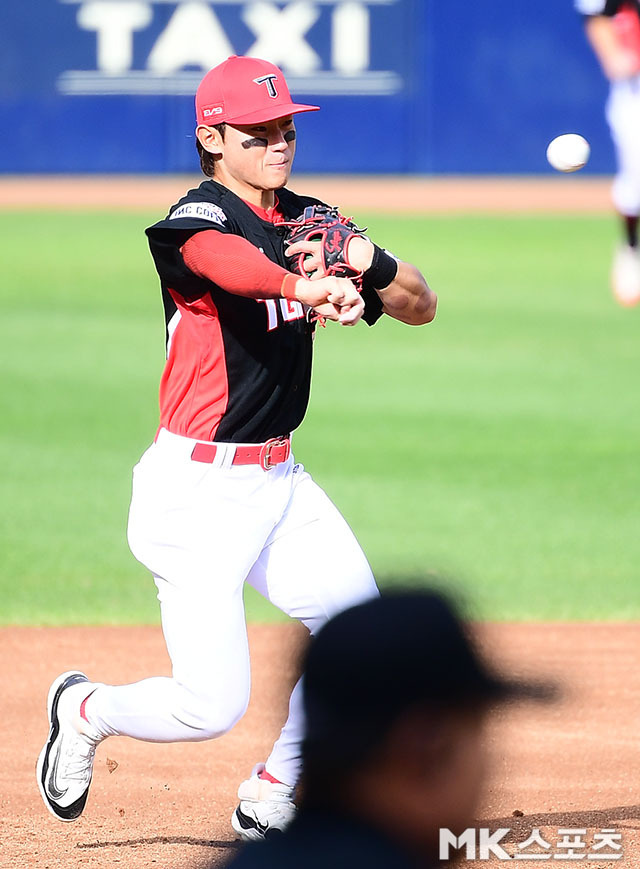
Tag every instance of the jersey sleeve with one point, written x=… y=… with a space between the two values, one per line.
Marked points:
x=167 y=237
x=237 y=266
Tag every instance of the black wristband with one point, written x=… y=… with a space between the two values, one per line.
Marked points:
x=382 y=271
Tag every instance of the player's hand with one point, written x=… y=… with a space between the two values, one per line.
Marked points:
x=333 y=298
x=312 y=263
x=359 y=254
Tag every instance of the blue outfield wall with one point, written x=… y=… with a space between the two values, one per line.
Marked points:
x=413 y=86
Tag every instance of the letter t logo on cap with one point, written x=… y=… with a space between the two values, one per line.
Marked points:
x=269 y=81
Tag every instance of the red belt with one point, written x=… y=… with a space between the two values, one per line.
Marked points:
x=273 y=452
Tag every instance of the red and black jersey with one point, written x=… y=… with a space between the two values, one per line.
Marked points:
x=238 y=369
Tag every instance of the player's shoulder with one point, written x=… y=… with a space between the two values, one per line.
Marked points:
x=293 y=204
x=208 y=201
x=204 y=207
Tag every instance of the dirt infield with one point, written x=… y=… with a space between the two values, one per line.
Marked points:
x=424 y=194
x=575 y=764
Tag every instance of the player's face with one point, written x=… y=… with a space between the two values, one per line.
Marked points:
x=257 y=157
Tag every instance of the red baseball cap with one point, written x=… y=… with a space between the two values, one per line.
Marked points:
x=245 y=90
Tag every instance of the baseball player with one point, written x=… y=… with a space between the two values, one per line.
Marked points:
x=613 y=30
x=218 y=499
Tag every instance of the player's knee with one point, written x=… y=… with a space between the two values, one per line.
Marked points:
x=349 y=597
x=209 y=717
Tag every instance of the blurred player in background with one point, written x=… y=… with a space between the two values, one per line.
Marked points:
x=613 y=29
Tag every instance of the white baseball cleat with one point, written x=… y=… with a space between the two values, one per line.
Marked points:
x=65 y=764
x=265 y=809
x=625 y=275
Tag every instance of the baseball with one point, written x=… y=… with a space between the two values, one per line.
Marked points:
x=568 y=153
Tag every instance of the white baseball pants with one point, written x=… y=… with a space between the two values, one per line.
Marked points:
x=203 y=530
x=623 y=116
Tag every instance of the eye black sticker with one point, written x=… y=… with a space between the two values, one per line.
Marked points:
x=254 y=143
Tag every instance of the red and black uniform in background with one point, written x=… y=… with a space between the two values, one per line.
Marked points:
x=625 y=15
x=238 y=368
x=609 y=7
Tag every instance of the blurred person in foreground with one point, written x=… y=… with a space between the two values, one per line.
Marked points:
x=613 y=30
x=396 y=698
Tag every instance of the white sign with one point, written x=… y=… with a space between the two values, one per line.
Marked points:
x=195 y=37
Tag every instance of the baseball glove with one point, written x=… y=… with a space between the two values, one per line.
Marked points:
x=320 y=223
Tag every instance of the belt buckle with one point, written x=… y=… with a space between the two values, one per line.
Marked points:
x=268 y=447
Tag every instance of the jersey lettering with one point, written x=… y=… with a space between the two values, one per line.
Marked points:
x=201 y=210
x=272 y=313
x=290 y=309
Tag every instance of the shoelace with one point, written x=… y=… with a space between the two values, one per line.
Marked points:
x=77 y=761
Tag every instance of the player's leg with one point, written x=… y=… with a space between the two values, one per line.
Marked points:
x=208 y=691
x=207 y=694
x=623 y=115
x=312 y=568
x=188 y=525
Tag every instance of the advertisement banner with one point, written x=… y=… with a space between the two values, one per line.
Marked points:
x=405 y=85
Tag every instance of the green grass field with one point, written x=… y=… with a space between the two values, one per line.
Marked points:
x=494 y=452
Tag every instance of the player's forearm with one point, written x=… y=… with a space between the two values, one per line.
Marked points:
x=404 y=292
x=408 y=297
x=615 y=61
x=234 y=264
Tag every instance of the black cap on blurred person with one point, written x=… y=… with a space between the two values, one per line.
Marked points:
x=373 y=662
